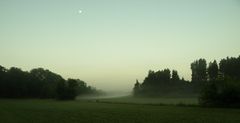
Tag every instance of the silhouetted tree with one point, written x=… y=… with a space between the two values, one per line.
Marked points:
x=213 y=70
x=137 y=88
x=215 y=92
x=62 y=92
x=230 y=67
x=175 y=76
x=83 y=88
x=163 y=76
x=222 y=92
x=199 y=70
x=45 y=82
x=72 y=88
x=3 y=83
x=15 y=83
x=209 y=94
x=150 y=79
x=159 y=83
x=39 y=83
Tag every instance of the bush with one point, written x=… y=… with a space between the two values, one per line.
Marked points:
x=221 y=93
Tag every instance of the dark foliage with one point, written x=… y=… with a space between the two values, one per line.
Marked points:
x=137 y=88
x=39 y=83
x=161 y=83
x=68 y=90
x=218 y=86
x=199 y=70
x=213 y=70
x=221 y=93
x=230 y=68
x=223 y=89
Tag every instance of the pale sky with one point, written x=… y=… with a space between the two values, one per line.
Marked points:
x=111 y=43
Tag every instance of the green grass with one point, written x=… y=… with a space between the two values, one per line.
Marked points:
x=82 y=111
x=138 y=100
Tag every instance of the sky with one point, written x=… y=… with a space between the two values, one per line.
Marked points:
x=111 y=43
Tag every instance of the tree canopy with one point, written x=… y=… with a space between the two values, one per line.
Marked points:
x=216 y=84
x=159 y=83
x=199 y=70
x=39 y=83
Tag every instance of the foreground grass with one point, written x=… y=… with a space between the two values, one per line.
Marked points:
x=51 y=111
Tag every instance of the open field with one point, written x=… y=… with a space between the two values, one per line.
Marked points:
x=138 y=100
x=51 y=111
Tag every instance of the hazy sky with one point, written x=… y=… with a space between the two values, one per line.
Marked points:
x=114 y=42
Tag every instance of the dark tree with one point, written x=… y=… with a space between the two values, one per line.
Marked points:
x=213 y=70
x=82 y=87
x=15 y=83
x=39 y=83
x=209 y=94
x=160 y=83
x=222 y=89
x=150 y=79
x=45 y=82
x=230 y=67
x=72 y=88
x=175 y=76
x=62 y=92
x=199 y=70
x=163 y=76
x=137 y=88
x=222 y=92
x=3 y=72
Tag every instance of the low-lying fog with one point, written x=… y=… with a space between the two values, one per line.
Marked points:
x=108 y=94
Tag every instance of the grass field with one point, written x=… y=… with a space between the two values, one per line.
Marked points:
x=51 y=111
x=163 y=101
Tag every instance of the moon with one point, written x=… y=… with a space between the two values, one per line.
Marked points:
x=80 y=11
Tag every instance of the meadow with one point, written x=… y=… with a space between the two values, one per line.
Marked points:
x=151 y=101
x=99 y=111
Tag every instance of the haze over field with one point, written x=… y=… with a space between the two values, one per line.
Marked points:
x=110 y=44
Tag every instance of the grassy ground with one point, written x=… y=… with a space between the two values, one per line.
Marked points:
x=51 y=111
x=136 y=100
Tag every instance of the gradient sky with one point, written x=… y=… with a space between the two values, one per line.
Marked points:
x=114 y=42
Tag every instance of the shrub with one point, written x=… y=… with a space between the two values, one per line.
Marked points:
x=221 y=93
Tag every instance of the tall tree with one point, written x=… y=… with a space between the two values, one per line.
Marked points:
x=163 y=76
x=136 y=89
x=3 y=72
x=150 y=79
x=16 y=80
x=199 y=70
x=230 y=67
x=72 y=88
x=45 y=82
x=175 y=76
x=213 y=70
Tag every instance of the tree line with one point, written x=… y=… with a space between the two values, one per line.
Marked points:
x=40 y=83
x=160 y=83
x=215 y=83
